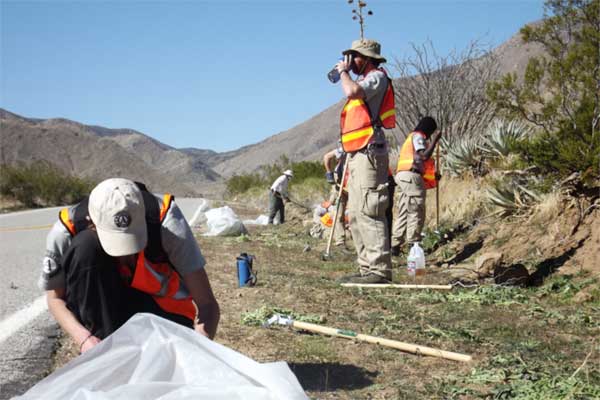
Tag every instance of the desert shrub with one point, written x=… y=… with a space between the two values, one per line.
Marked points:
x=242 y=183
x=572 y=148
x=42 y=184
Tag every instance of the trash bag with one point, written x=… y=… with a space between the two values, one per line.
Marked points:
x=260 y=220
x=199 y=217
x=223 y=222
x=151 y=358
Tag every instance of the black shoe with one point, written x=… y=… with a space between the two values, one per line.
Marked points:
x=370 y=278
x=395 y=251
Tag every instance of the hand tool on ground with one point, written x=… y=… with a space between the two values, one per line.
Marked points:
x=396 y=286
x=409 y=348
x=327 y=255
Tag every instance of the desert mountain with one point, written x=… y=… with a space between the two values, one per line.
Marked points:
x=98 y=152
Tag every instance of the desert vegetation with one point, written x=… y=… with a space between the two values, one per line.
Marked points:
x=40 y=184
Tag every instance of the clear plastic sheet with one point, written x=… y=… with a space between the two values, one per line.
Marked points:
x=150 y=358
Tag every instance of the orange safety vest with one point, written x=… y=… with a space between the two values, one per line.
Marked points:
x=405 y=161
x=153 y=273
x=356 y=124
x=327 y=220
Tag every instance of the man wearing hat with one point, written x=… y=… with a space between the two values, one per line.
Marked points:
x=368 y=110
x=121 y=251
x=278 y=192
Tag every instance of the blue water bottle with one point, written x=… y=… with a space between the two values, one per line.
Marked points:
x=246 y=277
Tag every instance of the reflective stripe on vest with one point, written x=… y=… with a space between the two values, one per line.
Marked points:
x=356 y=125
x=165 y=285
x=405 y=161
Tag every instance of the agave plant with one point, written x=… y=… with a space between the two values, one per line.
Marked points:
x=502 y=135
x=512 y=195
x=463 y=154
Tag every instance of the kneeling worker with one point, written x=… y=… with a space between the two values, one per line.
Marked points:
x=122 y=251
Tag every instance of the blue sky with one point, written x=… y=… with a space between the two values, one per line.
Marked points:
x=213 y=74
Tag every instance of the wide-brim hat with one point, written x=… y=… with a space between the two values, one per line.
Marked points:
x=116 y=207
x=289 y=173
x=368 y=48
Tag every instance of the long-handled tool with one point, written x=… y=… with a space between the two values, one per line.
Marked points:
x=327 y=255
x=395 y=286
x=307 y=208
x=409 y=348
x=437 y=189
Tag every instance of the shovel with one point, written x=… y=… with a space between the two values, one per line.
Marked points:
x=327 y=255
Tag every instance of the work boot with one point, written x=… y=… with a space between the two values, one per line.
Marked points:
x=347 y=278
x=395 y=250
x=370 y=278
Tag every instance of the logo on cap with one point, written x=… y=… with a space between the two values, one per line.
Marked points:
x=122 y=219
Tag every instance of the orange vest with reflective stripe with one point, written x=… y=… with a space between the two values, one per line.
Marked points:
x=405 y=161
x=356 y=124
x=157 y=277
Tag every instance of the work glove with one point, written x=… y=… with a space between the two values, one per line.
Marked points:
x=438 y=176
x=329 y=177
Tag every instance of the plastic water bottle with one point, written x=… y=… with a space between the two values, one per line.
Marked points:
x=416 y=261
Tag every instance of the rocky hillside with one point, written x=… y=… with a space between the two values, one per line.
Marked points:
x=99 y=153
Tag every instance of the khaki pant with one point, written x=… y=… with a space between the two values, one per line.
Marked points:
x=410 y=208
x=367 y=202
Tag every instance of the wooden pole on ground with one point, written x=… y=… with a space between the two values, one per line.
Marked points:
x=396 y=286
x=407 y=347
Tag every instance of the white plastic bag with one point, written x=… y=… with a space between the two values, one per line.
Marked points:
x=223 y=222
x=260 y=220
x=199 y=217
x=150 y=358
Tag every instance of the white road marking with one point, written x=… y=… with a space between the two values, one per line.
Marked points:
x=19 y=319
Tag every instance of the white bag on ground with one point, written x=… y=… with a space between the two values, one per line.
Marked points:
x=223 y=222
x=260 y=220
x=150 y=358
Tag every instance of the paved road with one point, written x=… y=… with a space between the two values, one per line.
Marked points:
x=27 y=331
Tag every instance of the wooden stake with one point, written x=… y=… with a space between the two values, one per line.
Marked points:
x=406 y=347
x=396 y=286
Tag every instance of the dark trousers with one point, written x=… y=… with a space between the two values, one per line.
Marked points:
x=97 y=294
x=276 y=205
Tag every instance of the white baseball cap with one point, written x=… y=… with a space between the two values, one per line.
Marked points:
x=116 y=207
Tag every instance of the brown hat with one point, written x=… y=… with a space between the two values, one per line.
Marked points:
x=366 y=47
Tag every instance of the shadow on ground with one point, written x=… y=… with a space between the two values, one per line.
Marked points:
x=329 y=377
x=467 y=251
x=552 y=264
